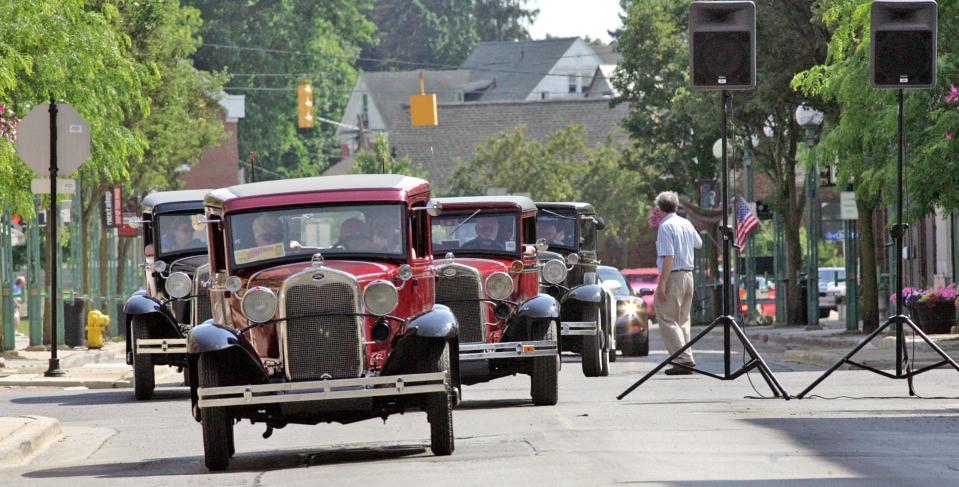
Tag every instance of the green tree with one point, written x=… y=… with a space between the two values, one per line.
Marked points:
x=861 y=132
x=281 y=42
x=441 y=32
x=379 y=160
x=674 y=128
x=560 y=168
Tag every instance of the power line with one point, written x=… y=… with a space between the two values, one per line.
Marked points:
x=382 y=60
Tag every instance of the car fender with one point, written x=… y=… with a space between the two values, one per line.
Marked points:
x=228 y=346
x=164 y=325
x=586 y=293
x=539 y=307
x=436 y=323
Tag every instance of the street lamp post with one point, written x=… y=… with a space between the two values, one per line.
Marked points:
x=810 y=120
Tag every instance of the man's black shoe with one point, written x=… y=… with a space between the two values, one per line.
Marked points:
x=676 y=370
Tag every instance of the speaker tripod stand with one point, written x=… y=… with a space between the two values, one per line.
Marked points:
x=728 y=323
x=900 y=321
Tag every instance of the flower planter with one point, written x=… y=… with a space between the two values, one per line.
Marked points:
x=934 y=318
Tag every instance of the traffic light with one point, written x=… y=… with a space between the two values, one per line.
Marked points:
x=903 y=44
x=304 y=104
x=423 y=108
x=722 y=45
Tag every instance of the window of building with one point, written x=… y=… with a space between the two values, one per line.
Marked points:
x=572 y=83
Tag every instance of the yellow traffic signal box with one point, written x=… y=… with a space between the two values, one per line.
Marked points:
x=423 y=108
x=304 y=102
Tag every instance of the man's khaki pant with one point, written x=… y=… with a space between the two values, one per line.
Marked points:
x=673 y=314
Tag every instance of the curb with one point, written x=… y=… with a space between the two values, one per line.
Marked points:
x=31 y=436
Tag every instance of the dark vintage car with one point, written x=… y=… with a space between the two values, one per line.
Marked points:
x=586 y=308
x=632 y=321
x=174 y=296
x=487 y=273
x=323 y=309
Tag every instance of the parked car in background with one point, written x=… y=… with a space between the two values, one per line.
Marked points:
x=640 y=280
x=832 y=289
x=487 y=273
x=632 y=324
x=323 y=310
x=174 y=296
x=586 y=308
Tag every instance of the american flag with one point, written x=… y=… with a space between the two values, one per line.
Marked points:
x=746 y=222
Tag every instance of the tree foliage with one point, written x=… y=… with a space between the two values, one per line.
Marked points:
x=863 y=125
x=379 y=160
x=560 y=168
x=441 y=32
x=674 y=128
x=283 y=42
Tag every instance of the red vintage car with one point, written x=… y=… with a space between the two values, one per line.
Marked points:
x=487 y=273
x=323 y=309
x=643 y=280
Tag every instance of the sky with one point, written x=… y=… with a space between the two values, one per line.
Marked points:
x=571 y=18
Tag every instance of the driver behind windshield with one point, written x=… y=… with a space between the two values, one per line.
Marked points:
x=487 y=234
x=267 y=230
x=180 y=235
x=548 y=230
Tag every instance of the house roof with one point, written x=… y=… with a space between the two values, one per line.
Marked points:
x=390 y=90
x=608 y=54
x=464 y=126
x=516 y=66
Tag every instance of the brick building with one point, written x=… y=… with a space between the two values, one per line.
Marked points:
x=220 y=164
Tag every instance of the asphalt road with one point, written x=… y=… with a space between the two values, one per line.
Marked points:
x=689 y=431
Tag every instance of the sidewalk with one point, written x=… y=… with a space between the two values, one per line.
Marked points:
x=24 y=437
x=827 y=346
x=103 y=368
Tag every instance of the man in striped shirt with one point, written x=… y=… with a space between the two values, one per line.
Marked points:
x=675 y=241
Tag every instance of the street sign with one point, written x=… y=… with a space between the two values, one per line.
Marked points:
x=64 y=186
x=73 y=139
x=847 y=206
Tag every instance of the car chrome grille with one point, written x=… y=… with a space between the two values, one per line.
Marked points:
x=322 y=346
x=201 y=289
x=460 y=293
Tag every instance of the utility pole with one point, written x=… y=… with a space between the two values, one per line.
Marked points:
x=750 y=245
x=812 y=249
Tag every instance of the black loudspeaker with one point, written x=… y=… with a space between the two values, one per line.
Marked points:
x=722 y=45
x=903 y=44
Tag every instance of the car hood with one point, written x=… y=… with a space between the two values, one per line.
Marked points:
x=484 y=266
x=364 y=271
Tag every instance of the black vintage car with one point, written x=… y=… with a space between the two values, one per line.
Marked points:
x=632 y=322
x=174 y=297
x=586 y=308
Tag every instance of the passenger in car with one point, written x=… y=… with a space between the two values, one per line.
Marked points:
x=267 y=230
x=487 y=234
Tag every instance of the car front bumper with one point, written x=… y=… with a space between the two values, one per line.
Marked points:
x=322 y=390
x=572 y=328
x=485 y=351
x=148 y=346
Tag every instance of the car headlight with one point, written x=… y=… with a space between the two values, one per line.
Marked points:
x=178 y=285
x=554 y=271
x=499 y=286
x=630 y=308
x=259 y=304
x=380 y=297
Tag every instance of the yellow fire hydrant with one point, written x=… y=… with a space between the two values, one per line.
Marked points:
x=97 y=322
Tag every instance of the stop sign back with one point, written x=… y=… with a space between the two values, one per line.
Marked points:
x=73 y=139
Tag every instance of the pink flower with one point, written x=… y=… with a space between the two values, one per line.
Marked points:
x=655 y=217
x=2 y=109
x=949 y=135
x=953 y=95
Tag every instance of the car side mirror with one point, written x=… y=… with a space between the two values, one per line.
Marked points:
x=434 y=208
x=199 y=222
x=646 y=292
x=135 y=222
x=600 y=223
x=542 y=245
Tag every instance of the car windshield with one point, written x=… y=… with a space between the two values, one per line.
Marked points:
x=832 y=276
x=178 y=235
x=558 y=230
x=480 y=231
x=613 y=275
x=355 y=230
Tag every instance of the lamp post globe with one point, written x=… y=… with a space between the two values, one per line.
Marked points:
x=809 y=119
